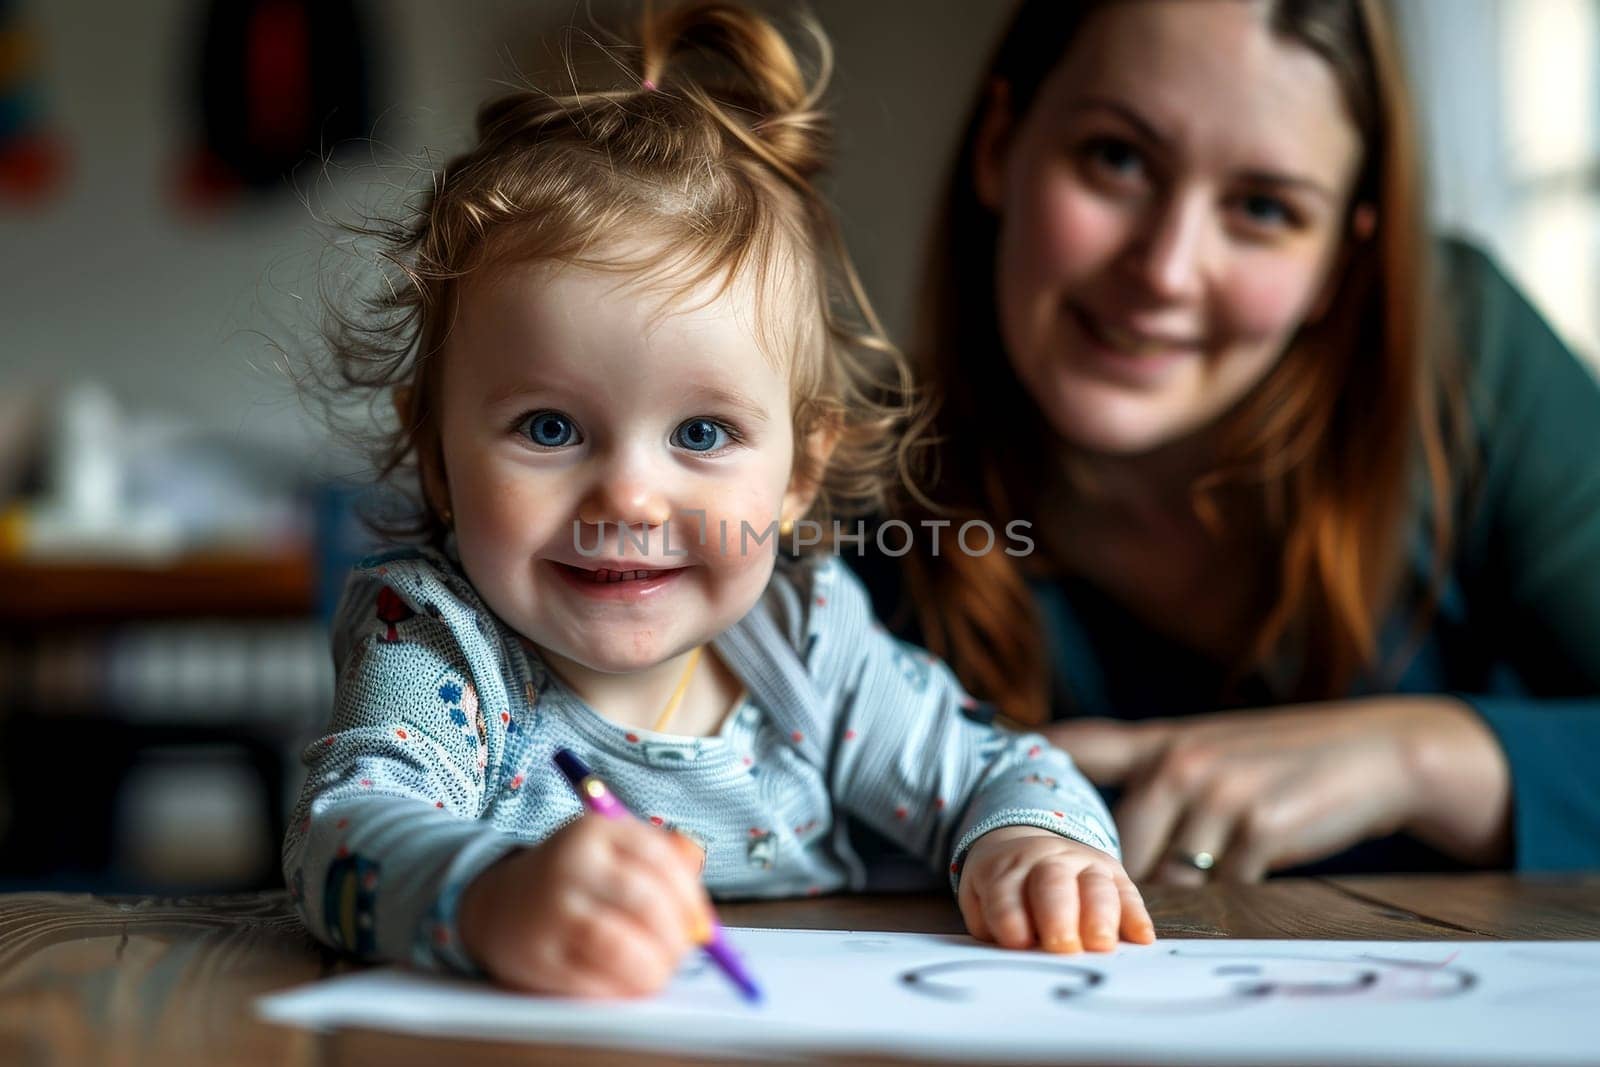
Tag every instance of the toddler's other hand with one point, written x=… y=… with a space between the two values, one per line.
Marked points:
x=603 y=908
x=1023 y=887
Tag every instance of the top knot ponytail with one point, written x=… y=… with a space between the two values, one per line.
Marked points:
x=739 y=67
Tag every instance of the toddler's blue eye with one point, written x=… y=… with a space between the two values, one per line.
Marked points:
x=550 y=429
x=700 y=435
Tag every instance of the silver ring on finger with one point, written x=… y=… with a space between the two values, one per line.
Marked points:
x=1197 y=861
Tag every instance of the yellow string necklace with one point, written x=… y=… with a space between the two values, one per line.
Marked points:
x=678 y=693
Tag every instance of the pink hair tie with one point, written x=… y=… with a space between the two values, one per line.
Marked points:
x=649 y=86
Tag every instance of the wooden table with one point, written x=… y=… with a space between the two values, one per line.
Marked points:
x=167 y=981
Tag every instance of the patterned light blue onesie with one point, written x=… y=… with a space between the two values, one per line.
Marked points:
x=444 y=724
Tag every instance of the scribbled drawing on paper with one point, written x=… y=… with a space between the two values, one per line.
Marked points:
x=1195 y=982
x=974 y=978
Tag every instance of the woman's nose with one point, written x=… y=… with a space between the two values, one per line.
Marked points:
x=1169 y=259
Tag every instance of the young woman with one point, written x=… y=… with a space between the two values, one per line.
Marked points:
x=1315 y=500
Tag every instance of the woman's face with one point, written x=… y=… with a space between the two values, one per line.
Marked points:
x=1171 y=210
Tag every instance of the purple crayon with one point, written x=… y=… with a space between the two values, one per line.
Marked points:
x=603 y=802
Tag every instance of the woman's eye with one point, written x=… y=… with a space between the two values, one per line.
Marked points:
x=1262 y=210
x=550 y=429
x=701 y=435
x=1113 y=156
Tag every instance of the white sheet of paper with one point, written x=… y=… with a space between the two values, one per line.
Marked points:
x=950 y=998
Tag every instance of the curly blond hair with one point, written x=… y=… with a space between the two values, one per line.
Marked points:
x=708 y=148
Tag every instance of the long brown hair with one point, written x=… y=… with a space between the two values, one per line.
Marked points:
x=1327 y=443
x=697 y=165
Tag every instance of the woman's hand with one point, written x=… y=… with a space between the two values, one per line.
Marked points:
x=1023 y=886
x=1262 y=790
x=602 y=908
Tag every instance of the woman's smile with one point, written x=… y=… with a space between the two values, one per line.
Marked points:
x=1126 y=354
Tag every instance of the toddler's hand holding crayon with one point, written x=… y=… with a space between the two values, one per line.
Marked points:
x=603 y=908
x=1024 y=887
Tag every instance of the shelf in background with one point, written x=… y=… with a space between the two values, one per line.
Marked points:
x=211 y=584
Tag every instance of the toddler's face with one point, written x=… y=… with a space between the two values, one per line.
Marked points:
x=591 y=431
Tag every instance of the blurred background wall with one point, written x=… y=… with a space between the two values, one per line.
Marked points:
x=114 y=276
x=184 y=634
x=1510 y=98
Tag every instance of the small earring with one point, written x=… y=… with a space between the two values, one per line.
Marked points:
x=447 y=515
x=786 y=527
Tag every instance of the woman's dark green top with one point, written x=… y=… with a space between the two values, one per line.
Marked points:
x=1517 y=630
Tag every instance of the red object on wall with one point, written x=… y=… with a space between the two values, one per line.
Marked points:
x=31 y=167
x=279 y=84
x=278 y=73
x=33 y=159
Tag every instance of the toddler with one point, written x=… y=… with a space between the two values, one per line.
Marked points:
x=628 y=353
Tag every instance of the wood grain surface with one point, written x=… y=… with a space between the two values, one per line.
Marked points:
x=134 y=981
x=1529 y=908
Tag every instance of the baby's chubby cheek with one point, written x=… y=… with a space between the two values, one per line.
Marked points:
x=739 y=546
x=505 y=522
x=730 y=529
